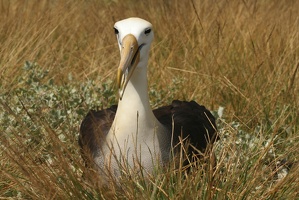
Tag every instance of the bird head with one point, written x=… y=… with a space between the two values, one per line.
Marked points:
x=134 y=37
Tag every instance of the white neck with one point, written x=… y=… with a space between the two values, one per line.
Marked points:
x=134 y=114
x=136 y=134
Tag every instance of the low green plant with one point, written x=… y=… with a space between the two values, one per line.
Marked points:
x=238 y=58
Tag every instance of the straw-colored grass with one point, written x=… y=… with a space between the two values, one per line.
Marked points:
x=58 y=59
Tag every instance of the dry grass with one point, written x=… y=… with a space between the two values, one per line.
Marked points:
x=242 y=55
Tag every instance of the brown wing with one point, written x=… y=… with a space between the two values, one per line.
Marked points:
x=93 y=131
x=189 y=120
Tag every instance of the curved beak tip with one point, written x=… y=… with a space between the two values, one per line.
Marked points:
x=120 y=82
x=128 y=62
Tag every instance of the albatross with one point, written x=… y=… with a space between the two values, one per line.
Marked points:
x=132 y=135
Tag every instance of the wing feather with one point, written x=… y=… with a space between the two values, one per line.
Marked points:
x=188 y=120
x=182 y=118
x=93 y=131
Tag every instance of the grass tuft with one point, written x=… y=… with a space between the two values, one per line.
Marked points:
x=238 y=58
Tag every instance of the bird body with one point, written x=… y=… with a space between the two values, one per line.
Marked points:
x=132 y=135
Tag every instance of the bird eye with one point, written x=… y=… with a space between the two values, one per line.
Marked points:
x=115 y=31
x=147 y=31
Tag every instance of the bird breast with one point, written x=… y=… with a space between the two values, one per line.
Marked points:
x=134 y=147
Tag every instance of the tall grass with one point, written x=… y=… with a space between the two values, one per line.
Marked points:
x=58 y=60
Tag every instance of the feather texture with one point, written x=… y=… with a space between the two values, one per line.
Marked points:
x=182 y=119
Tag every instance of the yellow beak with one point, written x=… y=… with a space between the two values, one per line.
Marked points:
x=129 y=58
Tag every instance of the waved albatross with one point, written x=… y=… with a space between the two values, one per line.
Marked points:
x=132 y=135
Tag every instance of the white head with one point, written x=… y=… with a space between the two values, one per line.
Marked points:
x=134 y=37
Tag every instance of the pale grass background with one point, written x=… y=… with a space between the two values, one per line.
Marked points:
x=242 y=55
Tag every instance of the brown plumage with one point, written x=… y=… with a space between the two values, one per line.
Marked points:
x=183 y=119
x=132 y=134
